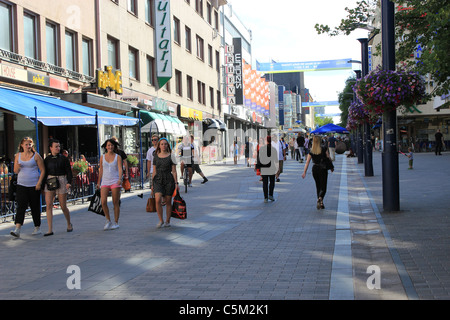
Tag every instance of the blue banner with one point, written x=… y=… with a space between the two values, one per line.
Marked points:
x=320 y=104
x=324 y=65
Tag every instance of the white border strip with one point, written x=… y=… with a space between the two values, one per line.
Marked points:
x=341 y=282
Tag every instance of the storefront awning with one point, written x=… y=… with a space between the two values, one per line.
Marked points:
x=157 y=122
x=56 y=112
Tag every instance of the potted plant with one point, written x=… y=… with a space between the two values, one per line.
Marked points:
x=80 y=166
x=132 y=160
x=385 y=90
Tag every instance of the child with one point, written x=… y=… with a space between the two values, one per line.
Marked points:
x=410 y=155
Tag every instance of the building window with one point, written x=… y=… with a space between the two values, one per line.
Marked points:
x=150 y=70
x=211 y=97
x=209 y=13
x=199 y=7
x=210 y=56
x=71 y=51
x=87 y=57
x=113 y=53
x=200 y=49
x=149 y=12
x=176 y=30
x=51 y=39
x=30 y=35
x=178 y=83
x=6 y=24
x=217 y=61
x=201 y=92
x=219 y=107
x=216 y=20
x=132 y=6
x=189 y=88
x=133 y=62
x=188 y=39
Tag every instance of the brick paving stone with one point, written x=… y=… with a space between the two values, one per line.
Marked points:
x=235 y=246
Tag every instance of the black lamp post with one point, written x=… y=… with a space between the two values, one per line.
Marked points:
x=391 y=193
x=368 y=164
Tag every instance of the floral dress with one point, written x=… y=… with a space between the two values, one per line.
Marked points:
x=163 y=182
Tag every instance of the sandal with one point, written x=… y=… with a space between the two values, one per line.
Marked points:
x=71 y=228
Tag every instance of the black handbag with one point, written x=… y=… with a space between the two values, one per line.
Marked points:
x=96 y=204
x=328 y=164
x=12 y=188
x=52 y=184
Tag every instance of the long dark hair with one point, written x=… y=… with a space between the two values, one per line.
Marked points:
x=113 y=142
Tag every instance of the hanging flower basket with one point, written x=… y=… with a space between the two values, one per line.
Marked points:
x=359 y=114
x=385 y=90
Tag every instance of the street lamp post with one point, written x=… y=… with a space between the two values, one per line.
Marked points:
x=368 y=165
x=391 y=193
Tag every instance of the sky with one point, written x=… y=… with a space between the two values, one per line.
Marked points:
x=284 y=31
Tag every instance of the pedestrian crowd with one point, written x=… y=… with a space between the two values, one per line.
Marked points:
x=53 y=177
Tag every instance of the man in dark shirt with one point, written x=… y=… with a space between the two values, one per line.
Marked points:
x=301 y=145
x=439 y=142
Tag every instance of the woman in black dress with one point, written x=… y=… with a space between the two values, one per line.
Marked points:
x=164 y=178
x=318 y=154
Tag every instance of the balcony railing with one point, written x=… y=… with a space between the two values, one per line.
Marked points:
x=43 y=66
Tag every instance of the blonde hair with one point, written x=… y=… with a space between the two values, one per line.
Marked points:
x=316 y=145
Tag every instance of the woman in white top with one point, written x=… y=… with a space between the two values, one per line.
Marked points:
x=110 y=178
x=27 y=164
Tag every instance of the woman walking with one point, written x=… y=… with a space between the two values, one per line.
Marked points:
x=267 y=162
x=318 y=154
x=27 y=164
x=110 y=179
x=58 y=177
x=164 y=178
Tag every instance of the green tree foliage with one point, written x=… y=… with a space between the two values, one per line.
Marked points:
x=345 y=98
x=321 y=121
x=422 y=33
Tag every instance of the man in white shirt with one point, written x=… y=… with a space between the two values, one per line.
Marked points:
x=149 y=157
x=196 y=164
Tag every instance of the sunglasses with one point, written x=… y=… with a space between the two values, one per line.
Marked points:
x=155 y=139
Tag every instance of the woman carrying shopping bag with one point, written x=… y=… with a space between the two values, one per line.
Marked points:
x=164 y=178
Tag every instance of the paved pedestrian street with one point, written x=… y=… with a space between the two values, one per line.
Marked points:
x=233 y=246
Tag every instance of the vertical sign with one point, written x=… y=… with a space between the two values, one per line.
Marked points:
x=238 y=74
x=163 y=42
x=229 y=75
x=281 y=105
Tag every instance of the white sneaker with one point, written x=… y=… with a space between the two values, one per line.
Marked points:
x=114 y=226
x=15 y=233
x=107 y=226
x=166 y=225
x=37 y=230
x=160 y=225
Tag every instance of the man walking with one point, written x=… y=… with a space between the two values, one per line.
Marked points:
x=301 y=146
x=439 y=142
x=332 y=147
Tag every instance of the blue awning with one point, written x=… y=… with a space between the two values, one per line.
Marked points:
x=56 y=112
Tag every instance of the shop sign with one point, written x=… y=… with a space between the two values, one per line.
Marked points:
x=159 y=105
x=163 y=42
x=14 y=73
x=110 y=80
x=34 y=78
x=233 y=73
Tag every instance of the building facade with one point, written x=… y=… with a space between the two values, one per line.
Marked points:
x=106 y=54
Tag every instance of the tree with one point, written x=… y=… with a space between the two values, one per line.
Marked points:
x=423 y=30
x=321 y=121
x=345 y=98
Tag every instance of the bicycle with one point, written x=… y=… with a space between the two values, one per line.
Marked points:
x=186 y=178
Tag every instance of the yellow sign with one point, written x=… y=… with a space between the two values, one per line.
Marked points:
x=110 y=80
